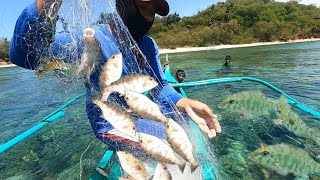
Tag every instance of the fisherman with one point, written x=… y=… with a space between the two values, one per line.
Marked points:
x=34 y=30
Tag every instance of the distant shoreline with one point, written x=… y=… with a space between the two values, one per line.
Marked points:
x=193 y=49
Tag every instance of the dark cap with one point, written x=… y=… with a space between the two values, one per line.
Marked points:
x=161 y=7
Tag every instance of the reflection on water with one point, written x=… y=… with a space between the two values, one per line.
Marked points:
x=55 y=151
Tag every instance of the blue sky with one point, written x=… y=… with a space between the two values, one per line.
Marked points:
x=11 y=9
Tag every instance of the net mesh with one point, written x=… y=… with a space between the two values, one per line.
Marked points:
x=64 y=34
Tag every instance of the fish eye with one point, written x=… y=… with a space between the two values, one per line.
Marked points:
x=168 y=126
x=134 y=128
x=127 y=98
x=232 y=101
x=265 y=153
x=141 y=141
x=150 y=78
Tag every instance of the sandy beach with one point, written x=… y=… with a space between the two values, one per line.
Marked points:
x=191 y=49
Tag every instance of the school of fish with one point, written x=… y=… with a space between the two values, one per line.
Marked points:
x=131 y=87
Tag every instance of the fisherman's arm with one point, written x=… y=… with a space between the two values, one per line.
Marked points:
x=32 y=33
x=199 y=112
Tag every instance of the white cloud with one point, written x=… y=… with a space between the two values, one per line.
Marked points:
x=307 y=2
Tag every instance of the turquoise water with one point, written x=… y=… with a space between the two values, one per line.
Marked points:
x=55 y=151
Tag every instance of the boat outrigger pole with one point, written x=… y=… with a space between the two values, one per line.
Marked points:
x=291 y=100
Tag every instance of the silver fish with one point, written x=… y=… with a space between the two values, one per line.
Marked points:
x=143 y=106
x=132 y=166
x=159 y=150
x=180 y=143
x=285 y=159
x=134 y=82
x=117 y=117
x=290 y=120
x=111 y=72
x=91 y=55
x=161 y=173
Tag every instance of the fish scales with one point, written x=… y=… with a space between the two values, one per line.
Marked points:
x=132 y=166
x=134 y=82
x=161 y=173
x=179 y=141
x=159 y=150
x=118 y=118
x=286 y=159
x=143 y=106
x=111 y=72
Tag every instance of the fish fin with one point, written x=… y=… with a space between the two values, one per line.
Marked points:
x=182 y=166
x=194 y=166
x=118 y=133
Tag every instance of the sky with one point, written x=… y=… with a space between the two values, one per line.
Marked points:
x=10 y=10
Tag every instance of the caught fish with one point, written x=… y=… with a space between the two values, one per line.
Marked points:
x=293 y=122
x=111 y=72
x=143 y=106
x=159 y=150
x=249 y=103
x=118 y=118
x=180 y=143
x=134 y=82
x=132 y=166
x=91 y=55
x=161 y=173
x=285 y=159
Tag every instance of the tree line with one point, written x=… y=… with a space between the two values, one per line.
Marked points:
x=238 y=22
x=230 y=22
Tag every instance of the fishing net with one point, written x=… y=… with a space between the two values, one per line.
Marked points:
x=64 y=34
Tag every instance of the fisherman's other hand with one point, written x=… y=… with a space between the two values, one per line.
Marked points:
x=202 y=115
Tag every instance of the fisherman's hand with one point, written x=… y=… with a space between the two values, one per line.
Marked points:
x=202 y=115
x=48 y=8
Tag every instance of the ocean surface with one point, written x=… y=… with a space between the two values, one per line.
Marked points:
x=55 y=151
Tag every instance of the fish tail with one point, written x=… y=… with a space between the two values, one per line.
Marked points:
x=194 y=166
x=182 y=166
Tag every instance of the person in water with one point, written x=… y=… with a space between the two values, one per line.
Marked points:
x=227 y=63
x=33 y=36
x=180 y=75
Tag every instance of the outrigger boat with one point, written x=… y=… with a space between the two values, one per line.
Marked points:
x=207 y=168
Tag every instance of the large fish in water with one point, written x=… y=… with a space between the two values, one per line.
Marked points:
x=180 y=143
x=159 y=150
x=118 y=118
x=249 y=103
x=134 y=82
x=161 y=173
x=91 y=55
x=294 y=123
x=111 y=72
x=132 y=166
x=143 y=106
x=285 y=159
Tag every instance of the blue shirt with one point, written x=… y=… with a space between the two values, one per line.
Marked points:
x=34 y=38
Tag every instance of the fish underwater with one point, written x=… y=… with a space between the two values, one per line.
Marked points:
x=132 y=166
x=91 y=55
x=161 y=173
x=111 y=72
x=143 y=106
x=134 y=82
x=249 y=103
x=290 y=120
x=180 y=143
x=118 y=118
x=285 y=159
x=159 y=150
